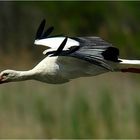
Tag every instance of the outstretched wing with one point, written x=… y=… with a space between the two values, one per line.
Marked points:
x=94 y=50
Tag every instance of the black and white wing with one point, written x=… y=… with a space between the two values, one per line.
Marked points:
x=52 y=43
x=92 y=49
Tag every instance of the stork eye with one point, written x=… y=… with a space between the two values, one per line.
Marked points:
x=5 y=74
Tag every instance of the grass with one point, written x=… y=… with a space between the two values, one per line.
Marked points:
x=105 y=106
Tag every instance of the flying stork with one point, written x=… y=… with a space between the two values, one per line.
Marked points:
x=68 y=58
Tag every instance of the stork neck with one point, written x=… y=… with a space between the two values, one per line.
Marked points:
x=25 y=75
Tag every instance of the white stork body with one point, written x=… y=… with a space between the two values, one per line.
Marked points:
x=56 y=70
x=70 y=58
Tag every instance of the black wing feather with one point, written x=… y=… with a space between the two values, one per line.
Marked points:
x=47 y=32
x=40 y=34
x=40 y=29
x=60 y=48
x=111 y=54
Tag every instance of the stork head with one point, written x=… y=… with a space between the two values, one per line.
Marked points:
x=8 y=76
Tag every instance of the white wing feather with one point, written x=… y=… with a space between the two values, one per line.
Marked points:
x=54 y=42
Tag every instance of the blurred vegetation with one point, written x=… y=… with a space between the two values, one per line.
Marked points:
x=105 y=106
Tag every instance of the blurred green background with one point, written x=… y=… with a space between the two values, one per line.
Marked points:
x=105 y=106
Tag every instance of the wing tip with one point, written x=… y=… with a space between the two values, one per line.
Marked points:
x=41 y=34
x=40 y=29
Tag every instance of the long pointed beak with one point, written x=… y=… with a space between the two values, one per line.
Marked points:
x=2 y=81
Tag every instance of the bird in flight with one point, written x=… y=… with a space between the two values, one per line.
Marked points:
x=68 y=58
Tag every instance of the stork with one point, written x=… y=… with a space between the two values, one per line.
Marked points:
x=68 y=58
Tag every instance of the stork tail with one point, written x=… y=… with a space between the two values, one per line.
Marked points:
x=132 y=66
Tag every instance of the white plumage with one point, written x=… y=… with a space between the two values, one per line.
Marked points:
x=69 y=58
x=55 y=42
